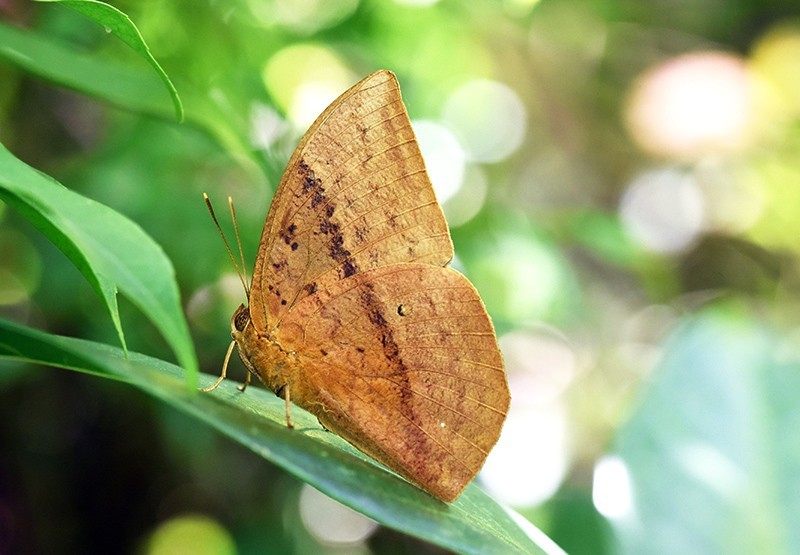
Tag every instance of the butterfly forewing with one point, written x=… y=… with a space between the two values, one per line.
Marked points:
x=403 y=362
x=354 y=196
x=353 y=315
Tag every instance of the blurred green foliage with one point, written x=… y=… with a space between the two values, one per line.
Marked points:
x=683 y=360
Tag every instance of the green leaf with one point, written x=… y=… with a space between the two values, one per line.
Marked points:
x=256 y=419
x=713 y=451
x=139 y=91
x=121 y=25
x=126 y=87
x=110 y=250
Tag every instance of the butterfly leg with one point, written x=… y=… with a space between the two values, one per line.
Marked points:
x=224 y=373
x=245 y=384
x=288 y=415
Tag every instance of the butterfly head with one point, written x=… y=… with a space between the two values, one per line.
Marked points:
x=262 y=356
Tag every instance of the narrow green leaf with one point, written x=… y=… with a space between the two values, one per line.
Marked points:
x=712 y=450
x=110 y=250
x=474 y=524
x=126 y=87
x=118 y=23
x=139 y=91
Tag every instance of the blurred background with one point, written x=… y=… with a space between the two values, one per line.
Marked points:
x=622 y=183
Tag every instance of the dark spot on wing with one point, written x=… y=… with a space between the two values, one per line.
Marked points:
x=311 y=288
x=390 y=348
x=336 y=249
x=349 y=268
x=361 y=233
x=310 y=182
x=294 y=246
x=370 y=302
x=374 y=308
x=288 y=234
x=317 y=197
x=327 y=227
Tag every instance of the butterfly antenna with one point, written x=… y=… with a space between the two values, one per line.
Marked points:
x=239 y=244
x=227 y=246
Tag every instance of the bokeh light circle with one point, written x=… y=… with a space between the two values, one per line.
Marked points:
x=692 y=105
x=521 y=278
x=540 y=367
x=304 y=79
x=331 y=522
x=488 y=118
x=663 y=210
x=469 y=199
x=416 y=3
x=775 y=61
x=444 y=158
x=196 y=534
x=304 y=17
x=612 y=490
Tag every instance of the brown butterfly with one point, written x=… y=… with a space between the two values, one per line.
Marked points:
x=353 y=314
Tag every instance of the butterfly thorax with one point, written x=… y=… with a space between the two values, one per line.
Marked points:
x=262 y=354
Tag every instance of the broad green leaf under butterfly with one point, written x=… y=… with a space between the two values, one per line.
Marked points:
x=119 y=24
x=474 y=524
x=111 y=251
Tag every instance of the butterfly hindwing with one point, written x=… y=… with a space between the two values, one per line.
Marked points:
x=402 y=361
x=354 y=196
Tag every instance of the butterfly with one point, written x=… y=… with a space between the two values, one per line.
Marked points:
x=353 y=313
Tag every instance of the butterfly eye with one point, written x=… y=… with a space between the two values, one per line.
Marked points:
x=242 y=319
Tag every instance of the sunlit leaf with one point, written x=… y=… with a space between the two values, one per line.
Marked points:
x=120 y=24
x=111 y=251
x=129 y=88
x=473 y=524
x=135 y=90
